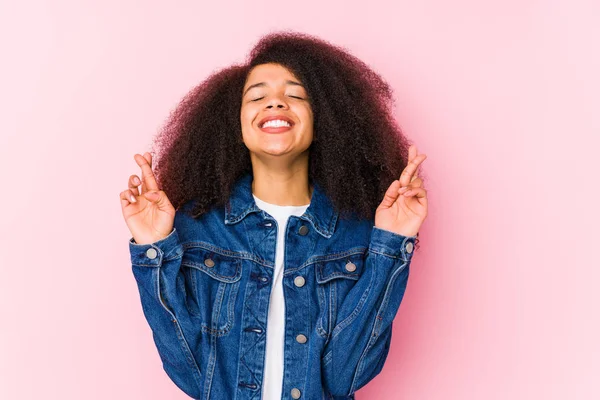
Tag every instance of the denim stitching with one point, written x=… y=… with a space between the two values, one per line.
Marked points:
x=241 y=255
x=387 y=295
x=216 y=331
x=324 y=307
x=218 y=306
x=211 y=366
x=179 y=331
x=376 y=324
x=191 y=278
x=328 y=257
x=383 y=253
x=215 y=275
x=248 y=350
x=332 y=307
x=327 y=358
x=360 y=304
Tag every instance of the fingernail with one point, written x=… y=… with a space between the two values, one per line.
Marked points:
x=133 y=200
x=407 y=193
x=136 y=181
x=402 y=189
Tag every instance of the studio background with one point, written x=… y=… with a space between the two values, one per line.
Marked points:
x=502 y=96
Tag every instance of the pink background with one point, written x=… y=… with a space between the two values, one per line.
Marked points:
x=502 y=96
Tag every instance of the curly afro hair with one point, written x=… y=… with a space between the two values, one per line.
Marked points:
x=357 y=150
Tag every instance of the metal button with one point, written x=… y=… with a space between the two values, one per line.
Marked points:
x=301 y=338
x=409 y=247
x=303 y=230
x=209 y=263
x=151 y=253
x=295 y=393
x=350 y=266
x=299 y=281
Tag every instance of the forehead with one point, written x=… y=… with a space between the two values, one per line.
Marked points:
x=274 y=73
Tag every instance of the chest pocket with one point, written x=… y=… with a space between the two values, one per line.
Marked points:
x=335 y=278
x=212 y=281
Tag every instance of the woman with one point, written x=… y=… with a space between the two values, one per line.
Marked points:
x=278 y=261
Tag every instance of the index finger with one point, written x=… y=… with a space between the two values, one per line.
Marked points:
x=411 y=167
x=147 y=174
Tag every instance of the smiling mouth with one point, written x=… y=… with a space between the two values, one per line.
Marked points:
x=275 y=126
x=275 y=123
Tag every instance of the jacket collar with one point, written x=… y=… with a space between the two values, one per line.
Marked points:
x=320 y=213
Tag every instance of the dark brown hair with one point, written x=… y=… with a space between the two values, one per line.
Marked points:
x=357 y=149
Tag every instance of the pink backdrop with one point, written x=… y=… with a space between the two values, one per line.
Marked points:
x=502 y=96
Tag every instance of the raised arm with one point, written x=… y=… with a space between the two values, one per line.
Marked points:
x=156 y=255
x=359 y=343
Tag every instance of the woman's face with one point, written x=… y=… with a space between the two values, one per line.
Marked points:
x=276 y=116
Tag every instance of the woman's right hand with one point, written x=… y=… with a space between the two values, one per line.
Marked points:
x=149 y=215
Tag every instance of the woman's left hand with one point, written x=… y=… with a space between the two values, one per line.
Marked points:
x=404 y=205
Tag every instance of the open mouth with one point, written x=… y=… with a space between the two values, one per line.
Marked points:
x=275 y=124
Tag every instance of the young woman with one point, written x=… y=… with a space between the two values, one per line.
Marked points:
x=278 y=261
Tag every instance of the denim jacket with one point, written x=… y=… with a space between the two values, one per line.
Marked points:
x=205 y=292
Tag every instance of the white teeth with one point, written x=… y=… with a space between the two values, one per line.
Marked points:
x=275 y=123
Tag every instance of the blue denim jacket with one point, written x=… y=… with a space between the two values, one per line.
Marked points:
x=205 y=293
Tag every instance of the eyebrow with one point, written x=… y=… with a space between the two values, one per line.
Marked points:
x=261 y=84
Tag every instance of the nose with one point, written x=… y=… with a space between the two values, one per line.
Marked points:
x=276 y=102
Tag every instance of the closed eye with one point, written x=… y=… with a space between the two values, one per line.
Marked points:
x=295 y=97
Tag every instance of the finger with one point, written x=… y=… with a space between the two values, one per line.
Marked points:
x=148 y=158
x=411 y=169
x=412 y=152
x=148 y=180
x=406 y=201
x=134 y=182
x=415 y=182
x=126 y=198
x=391 y=194
x=418 y=192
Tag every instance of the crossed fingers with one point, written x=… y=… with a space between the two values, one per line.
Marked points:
x=148 y=180
x=409 y=174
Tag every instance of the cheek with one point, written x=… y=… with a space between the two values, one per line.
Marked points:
x=245 y=117
x=308 y=118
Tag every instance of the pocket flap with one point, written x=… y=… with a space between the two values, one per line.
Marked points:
x=219 y=266
x=348 y=267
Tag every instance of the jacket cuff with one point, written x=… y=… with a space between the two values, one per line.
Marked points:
x=153 y=254
x=392 y=244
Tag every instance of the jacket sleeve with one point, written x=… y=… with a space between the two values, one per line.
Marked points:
x=157 y=271
x=359 y=343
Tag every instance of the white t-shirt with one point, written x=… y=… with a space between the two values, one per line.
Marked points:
x=273 y=374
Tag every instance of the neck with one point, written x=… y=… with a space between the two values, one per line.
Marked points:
x=283 y=188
